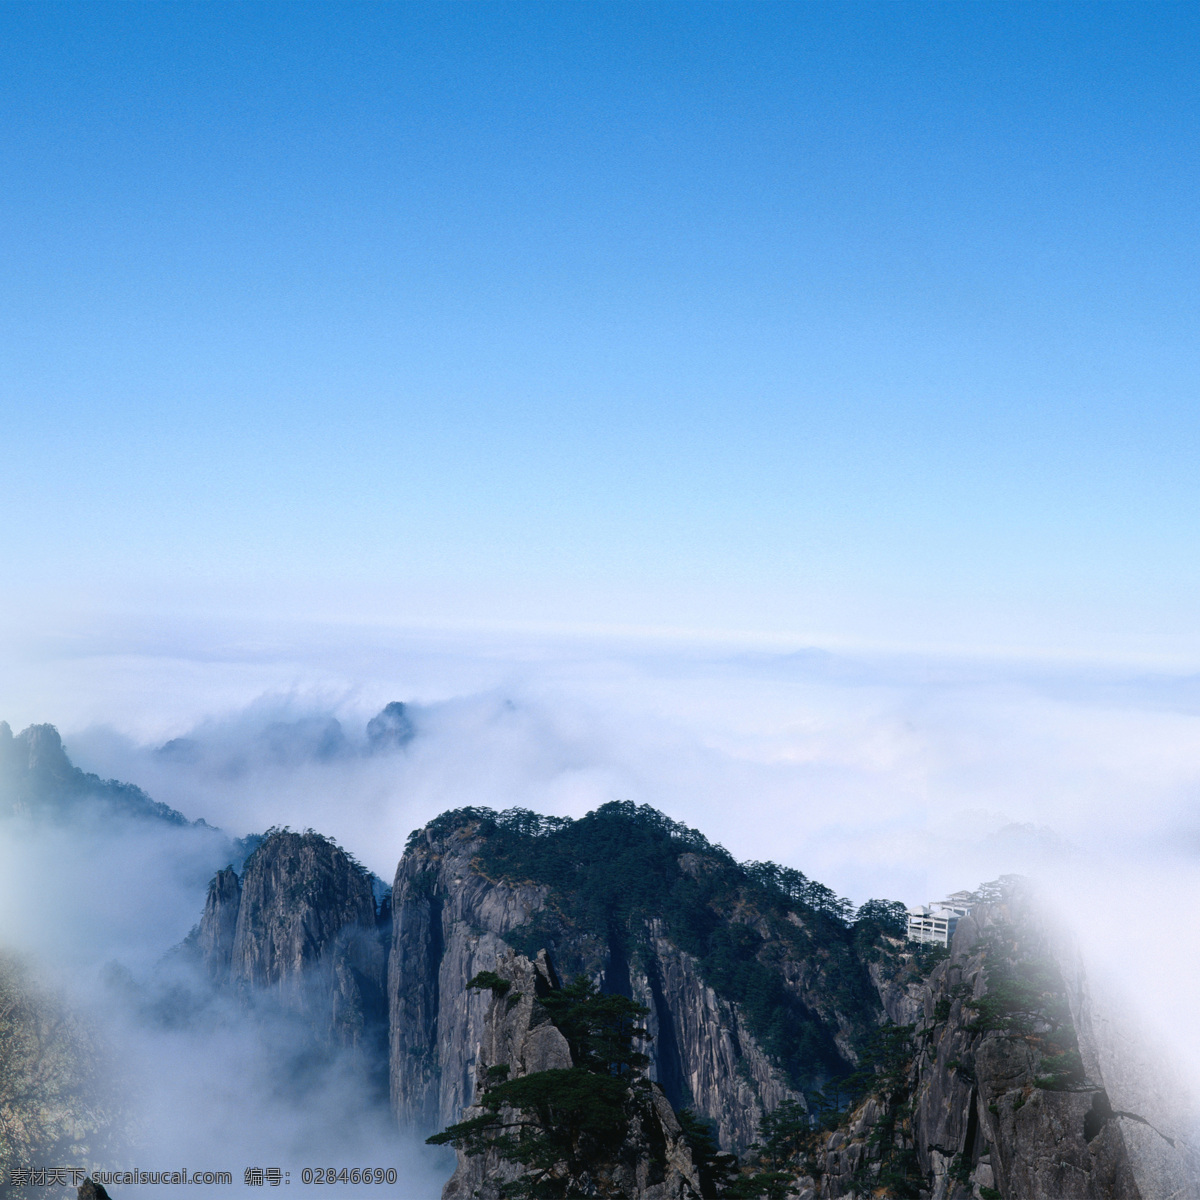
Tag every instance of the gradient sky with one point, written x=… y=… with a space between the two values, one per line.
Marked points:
x=855 y=324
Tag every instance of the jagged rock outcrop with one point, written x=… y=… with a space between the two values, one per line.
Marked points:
x=390 y=729
x=449 y=923
x=90 y=1190
x=653 y=1160
x=301 y=927
x=1002 y=1075
x=219 y=923
x=452 y=919
x=848 y=1160
x=902 y=993
x=979 y=1114
x=1027 y=1127
x=1009 y=1090
x=38 y=780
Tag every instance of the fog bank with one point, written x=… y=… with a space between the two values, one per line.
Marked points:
x=880 y=776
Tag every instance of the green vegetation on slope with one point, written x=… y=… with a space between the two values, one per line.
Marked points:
x=561 y=1124
x=56 y=1105
x=748 y=925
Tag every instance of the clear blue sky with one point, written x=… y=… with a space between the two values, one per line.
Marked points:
x=858 y=323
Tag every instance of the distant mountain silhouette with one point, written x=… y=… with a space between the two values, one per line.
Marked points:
x=37 y=779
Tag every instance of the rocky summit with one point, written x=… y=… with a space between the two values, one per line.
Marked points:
x=614 y=1006
x=301 y=926
x=777 y=1042
x=753 y=995
x=39 y=782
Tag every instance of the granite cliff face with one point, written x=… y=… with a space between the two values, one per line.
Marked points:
x=301 y=927
x=449 y=923
x=989 y=1107
x=218 y=926
x=993 y=1073
x=700 y=1049
x=1011 y=1088
x=459 y=909
x=652 y=1159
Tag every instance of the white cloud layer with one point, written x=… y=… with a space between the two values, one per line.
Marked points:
x=894 y=777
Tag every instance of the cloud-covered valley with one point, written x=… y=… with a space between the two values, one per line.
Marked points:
x=900 y=778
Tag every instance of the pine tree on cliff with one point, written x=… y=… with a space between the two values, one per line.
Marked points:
x=557 y=1124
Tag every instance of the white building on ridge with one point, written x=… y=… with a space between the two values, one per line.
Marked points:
x=935 y=923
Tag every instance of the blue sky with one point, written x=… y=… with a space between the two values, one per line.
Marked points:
x=848 y=324
x=344 y=347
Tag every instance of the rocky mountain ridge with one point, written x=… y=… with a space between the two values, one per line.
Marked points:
x=960 y=1108
x=38 y=780
x=806 y=1038
x=1005 y=1086
x=460 y=904
x=301 y=926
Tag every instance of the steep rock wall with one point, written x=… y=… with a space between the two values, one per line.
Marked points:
x=451 y=922
x=979 y=1116
x=980 y=1109
x=219 y=924
x=984 y=1093
x=300 y=928
x=653 y=1162
x=700 y=1051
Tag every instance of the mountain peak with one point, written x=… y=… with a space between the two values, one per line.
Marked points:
x=44 y=748
x=390 y=728
x=38 y=779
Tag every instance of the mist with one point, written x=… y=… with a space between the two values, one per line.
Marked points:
x=99 y=909
x=880 y=776
x=896 y=776
x=221 y=1087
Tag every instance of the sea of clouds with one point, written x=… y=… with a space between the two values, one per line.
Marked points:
x=899 y=777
